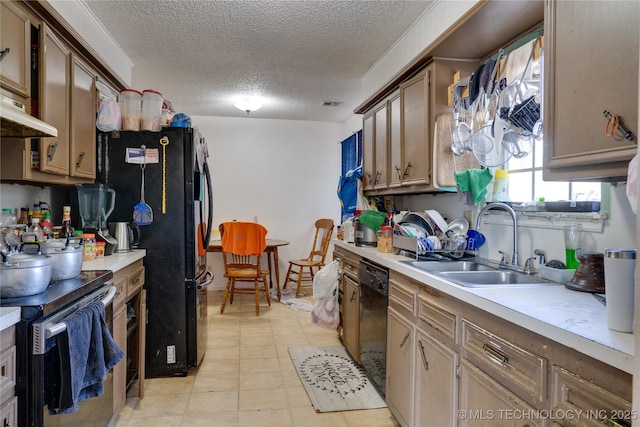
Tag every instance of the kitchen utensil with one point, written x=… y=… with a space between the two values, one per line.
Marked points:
x=475 y=240
x=164 y=141
x=66 y=258
x=421 y=219
x=589 y=275
x=364 y=236
x=487 y=151
x=23 y=274
x=459 y=226
x=127 y=234
x=619 y=269
x=142 y=212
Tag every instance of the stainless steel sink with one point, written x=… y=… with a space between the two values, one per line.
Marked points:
x=476 y=279
x=440 y=266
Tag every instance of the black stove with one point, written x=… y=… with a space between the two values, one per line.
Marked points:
x=59 y=294
x=33 y=375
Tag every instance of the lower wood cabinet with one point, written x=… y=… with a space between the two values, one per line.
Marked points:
x=129 y=328
x=484 y=401
x=8 y=399
x=351 y=317
x=436 y=388
x=400 y=366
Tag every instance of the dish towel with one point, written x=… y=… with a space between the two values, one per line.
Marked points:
x=372 y=219
x=474 y=181
x=87 y=352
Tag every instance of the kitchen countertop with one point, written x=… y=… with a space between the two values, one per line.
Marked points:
x=571 y=318
x=115 y=261
x=9 y=316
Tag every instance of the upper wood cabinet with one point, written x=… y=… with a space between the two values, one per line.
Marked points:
x=82 y=154
x=591 y=65
x=54 y=101
x=368 y=153
x=15 y=47
x=381 y=148
x=394 y=151
x=415 y=130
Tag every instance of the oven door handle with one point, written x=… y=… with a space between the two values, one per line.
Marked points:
x=58 y=328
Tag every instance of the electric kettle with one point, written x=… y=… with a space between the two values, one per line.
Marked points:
x=126 y=233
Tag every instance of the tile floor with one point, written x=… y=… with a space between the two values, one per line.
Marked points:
x=246 y=377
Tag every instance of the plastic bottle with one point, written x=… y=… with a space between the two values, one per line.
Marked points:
x=36 y=229
x=89 y=240
x=47 y=225
x=24 y=216
x=501 y=179
x=67 y=229
x=8 y=219
x=36 y=213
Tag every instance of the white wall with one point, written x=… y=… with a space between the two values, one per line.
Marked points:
x=284 y=172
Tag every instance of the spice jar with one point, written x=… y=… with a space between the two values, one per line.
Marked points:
x=89 y=241
x=100 y=247
x=385 y=239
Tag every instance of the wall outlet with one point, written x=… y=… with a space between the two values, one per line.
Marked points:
x=171 y=354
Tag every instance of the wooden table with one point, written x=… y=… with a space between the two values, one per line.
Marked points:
x=272 y=252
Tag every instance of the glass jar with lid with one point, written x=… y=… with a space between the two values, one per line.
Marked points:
x=385 y=239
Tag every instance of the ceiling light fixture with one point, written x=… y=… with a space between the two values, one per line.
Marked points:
x=247 y=104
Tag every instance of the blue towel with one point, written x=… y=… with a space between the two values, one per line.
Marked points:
x=87 y=352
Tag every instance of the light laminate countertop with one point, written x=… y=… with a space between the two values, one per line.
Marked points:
x=571 y=318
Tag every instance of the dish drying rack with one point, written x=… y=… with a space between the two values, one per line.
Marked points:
x=409 y=245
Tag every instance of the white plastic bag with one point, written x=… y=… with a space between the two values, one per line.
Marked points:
x=326 y=311
x=109 y=116
x=325 y=279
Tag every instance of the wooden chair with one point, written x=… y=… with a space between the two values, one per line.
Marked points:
x=243 y=244
x=321 y=240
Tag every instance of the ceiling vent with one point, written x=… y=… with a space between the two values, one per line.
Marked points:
x=332 y=103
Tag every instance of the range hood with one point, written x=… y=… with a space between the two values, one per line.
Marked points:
x=18 y=124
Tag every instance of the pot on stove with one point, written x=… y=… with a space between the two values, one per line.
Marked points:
x=23 y=274
x=66 y=258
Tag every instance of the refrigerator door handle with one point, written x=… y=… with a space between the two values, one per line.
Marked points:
x=207 y=175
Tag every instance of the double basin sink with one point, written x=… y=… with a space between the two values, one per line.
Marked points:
x=476 y=274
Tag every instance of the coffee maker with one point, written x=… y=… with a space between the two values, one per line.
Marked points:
x=95 y=204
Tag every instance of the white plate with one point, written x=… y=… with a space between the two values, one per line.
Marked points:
x=438 y=219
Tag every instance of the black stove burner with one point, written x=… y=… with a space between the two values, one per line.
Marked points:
x=59 y=294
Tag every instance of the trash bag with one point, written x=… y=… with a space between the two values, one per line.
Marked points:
x=325 y=279
x=326 y=311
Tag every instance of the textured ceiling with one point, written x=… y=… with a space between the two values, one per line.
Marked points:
x=293 y=54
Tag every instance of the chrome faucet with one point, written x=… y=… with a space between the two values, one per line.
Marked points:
x=514 y=258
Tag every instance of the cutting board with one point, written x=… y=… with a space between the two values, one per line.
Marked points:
x=445 y=163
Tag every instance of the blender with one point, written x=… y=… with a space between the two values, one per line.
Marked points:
x=95 y=203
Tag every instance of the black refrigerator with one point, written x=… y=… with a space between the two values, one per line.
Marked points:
x=177 y=187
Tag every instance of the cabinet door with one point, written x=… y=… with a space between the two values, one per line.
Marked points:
x=436 y=394
x=484 y=401
x=368 y=152
x=120 y=370
x=415 y=130
x=142 y=339
x=591 y=65
x=15 y=45
x=400 y=351
x=351 y=313
x=83 y=121
x=381 y=146
x=54 y=102
x=395 y=152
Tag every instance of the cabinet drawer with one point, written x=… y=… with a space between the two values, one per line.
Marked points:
x=523 y=372
x=574 y=394
x=437 y=317
x=135 y=281
x=402 y=296
x=7 y=373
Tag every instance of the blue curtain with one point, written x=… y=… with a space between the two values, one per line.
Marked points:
x=351 y=173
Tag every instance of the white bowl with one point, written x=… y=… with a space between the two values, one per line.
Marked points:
x=556 y=274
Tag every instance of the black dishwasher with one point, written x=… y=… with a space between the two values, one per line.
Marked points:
x=374 y=283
